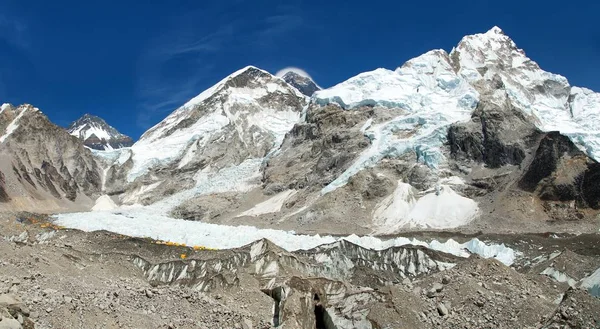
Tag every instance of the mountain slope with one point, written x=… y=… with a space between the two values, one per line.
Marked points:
x=42 y=167
x=242 y=118
x=97 y=134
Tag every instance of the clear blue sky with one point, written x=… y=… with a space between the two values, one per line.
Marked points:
x=133 y=62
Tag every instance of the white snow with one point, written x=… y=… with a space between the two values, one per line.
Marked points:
x=151 y=152
x=146 y=222
x=431 y=97
x=14 y=124
x=104 y=203
x=443 y=209
x=440 y=209
x=4 y=107
x=547 y=97
x=274 y=204
x=86 y=131
x=237 y=107
x=366 y=126
x=592 y=283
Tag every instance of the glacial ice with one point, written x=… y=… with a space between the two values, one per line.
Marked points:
x=432 y=97
x=146 y=222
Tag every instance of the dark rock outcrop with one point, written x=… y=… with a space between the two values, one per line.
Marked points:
x=497 y=135
x=304 y=84
x=562 y=172
x=314 y=153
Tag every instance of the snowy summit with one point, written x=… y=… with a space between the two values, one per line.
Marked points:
x=97 y=134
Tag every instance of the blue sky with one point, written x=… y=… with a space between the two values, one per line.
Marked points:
x=134 y=62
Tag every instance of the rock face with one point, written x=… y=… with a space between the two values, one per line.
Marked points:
x=43 y=167
x=97 y=134
x=498 y=133
x=304 y=84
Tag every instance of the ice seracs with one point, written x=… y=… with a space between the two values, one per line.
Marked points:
x=430 y=96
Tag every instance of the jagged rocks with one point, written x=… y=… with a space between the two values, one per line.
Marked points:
x=561 y=172
x=13 y=313
x=576 y=309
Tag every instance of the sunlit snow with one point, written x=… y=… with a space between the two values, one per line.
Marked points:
x=429 y=92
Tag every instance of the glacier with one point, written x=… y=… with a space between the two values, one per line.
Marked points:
x=431 y=97
x=145 y=223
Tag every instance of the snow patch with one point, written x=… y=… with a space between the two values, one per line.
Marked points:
x=271 y=205
x=104 y=203
x=441 y=209
x=13 y=125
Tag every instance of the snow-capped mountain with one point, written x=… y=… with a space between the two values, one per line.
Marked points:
x=435 y=143
x=242 y=118
x=407 y=146
x=549 y=98
x=97 y=134
x=304 y=84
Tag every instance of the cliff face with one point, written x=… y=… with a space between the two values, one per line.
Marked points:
x=43 y=167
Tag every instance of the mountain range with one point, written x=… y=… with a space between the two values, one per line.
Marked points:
x=478 y=137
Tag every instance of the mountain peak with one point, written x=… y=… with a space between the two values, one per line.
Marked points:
x=4 y=107
x=97 y=134
x=303 y=83
x=495 y=30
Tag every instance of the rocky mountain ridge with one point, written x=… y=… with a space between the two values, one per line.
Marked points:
x=43 y=168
